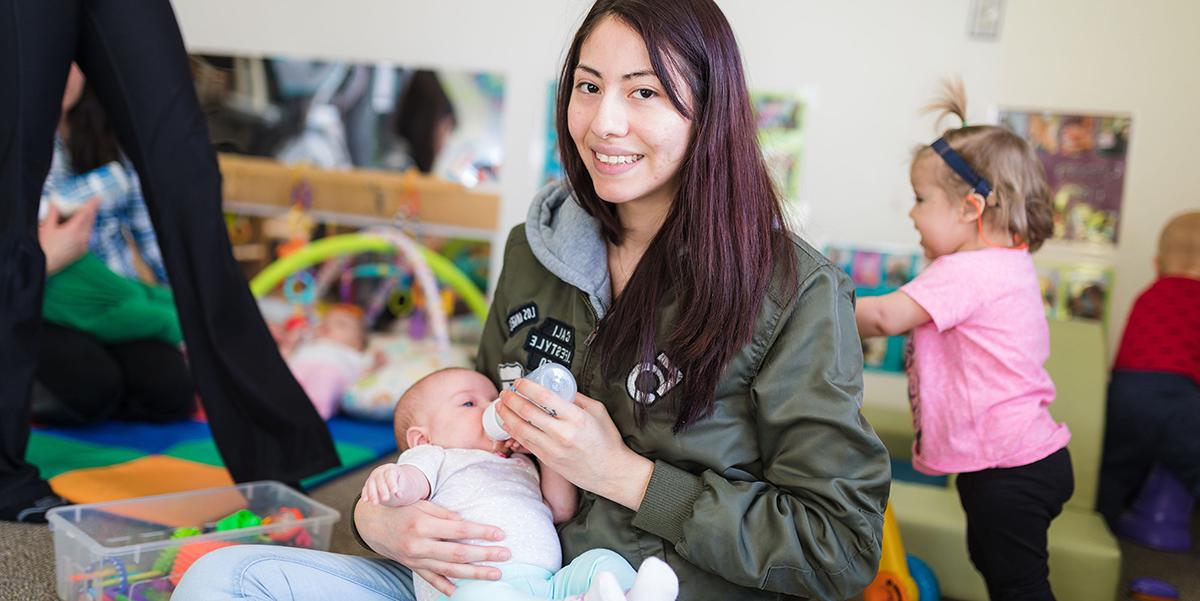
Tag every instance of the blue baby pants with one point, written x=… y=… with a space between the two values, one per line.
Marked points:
x=524 y=582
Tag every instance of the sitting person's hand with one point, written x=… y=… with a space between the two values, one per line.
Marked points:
x=421 y=536
x=578 y=440
x=63 y=243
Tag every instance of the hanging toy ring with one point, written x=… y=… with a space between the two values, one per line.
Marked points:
x=300 y=288
x=399 y=302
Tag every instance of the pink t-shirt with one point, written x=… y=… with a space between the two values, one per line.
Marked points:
x=976 y=381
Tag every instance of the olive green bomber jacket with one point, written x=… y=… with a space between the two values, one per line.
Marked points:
x=780 y=493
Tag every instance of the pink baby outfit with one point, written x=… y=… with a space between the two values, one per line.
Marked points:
x=978 y=388
x=326 y=370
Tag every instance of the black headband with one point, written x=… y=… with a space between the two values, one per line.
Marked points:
x=960 y=166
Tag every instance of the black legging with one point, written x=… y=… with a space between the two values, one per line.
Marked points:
x=133 y=56
x=80 y=380
x=1009 y=511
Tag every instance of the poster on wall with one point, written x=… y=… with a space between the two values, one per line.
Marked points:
x=876 y=273
x=1075 y=291
x=780 y=120
x=1085 y=159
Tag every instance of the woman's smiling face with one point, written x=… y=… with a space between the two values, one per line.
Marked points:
x=624 y=126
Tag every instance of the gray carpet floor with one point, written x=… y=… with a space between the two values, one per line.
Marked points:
x=27 y=552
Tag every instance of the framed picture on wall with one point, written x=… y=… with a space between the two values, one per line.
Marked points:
x=877 y=272
x=1085 y=158
x=780 y=120
x=1075 y=290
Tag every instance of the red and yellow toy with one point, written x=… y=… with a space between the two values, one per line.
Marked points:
x=901 y=577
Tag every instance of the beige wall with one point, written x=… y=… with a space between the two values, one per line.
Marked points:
x=865 y=66
x=1137 y=57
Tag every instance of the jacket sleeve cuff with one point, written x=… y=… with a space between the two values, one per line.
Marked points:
x=668 y=502
x=354 y=527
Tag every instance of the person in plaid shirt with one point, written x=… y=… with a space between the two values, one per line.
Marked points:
x=77 y=175
x=110 y=342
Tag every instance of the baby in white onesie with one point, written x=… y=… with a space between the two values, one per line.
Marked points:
x=448 y=459
x=332 y=360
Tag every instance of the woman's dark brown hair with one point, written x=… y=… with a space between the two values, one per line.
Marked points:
x=725 y=231
x=423 y=106
x=91 y=139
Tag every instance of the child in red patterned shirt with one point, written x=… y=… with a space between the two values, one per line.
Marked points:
x=1154 y=394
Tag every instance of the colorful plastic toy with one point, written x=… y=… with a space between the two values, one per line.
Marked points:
x=112 y=580
x=900 y=577
x=1152 y=589
x=242 y=518
x=192 y=552
x=923 y=576
x=1160 y=517
x=297 y=537
x=375 y=241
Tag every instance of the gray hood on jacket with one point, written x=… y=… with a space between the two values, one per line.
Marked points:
x=566 y=241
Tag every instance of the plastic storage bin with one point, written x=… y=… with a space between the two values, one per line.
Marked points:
x=127 y=547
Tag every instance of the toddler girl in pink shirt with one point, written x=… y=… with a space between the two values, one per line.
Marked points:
x=977 y=385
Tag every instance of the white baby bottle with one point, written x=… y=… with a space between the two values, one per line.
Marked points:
x=552 y=376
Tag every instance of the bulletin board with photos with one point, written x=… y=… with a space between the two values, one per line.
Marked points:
x=1085 y=158
x=876 y=273
x=1078 y=291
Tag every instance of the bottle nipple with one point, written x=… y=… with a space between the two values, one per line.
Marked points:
x=493 y=426
x=552 y=376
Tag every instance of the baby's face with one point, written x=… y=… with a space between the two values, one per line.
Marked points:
x=344 y=327
x=452 y=413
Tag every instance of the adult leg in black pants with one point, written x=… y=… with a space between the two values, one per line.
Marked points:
x=132 y=54
x=158 y=387
x=1152 y=419
x=80 y=380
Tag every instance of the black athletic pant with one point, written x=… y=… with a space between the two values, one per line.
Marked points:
x=80 y=380
x=133 y=56
x=1153 y=418
x=1008 y=513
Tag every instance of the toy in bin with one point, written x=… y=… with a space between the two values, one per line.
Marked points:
x=139 y=549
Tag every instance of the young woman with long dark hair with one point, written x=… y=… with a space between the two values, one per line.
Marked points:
x=717 y=357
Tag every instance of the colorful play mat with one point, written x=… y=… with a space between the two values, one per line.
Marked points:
x=121 y=460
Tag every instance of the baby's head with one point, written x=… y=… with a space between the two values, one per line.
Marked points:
x=1179 y=247
x=344 y=323
x=950 y=211
x=445 y=408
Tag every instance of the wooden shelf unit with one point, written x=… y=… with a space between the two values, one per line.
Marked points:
x=428 y=204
